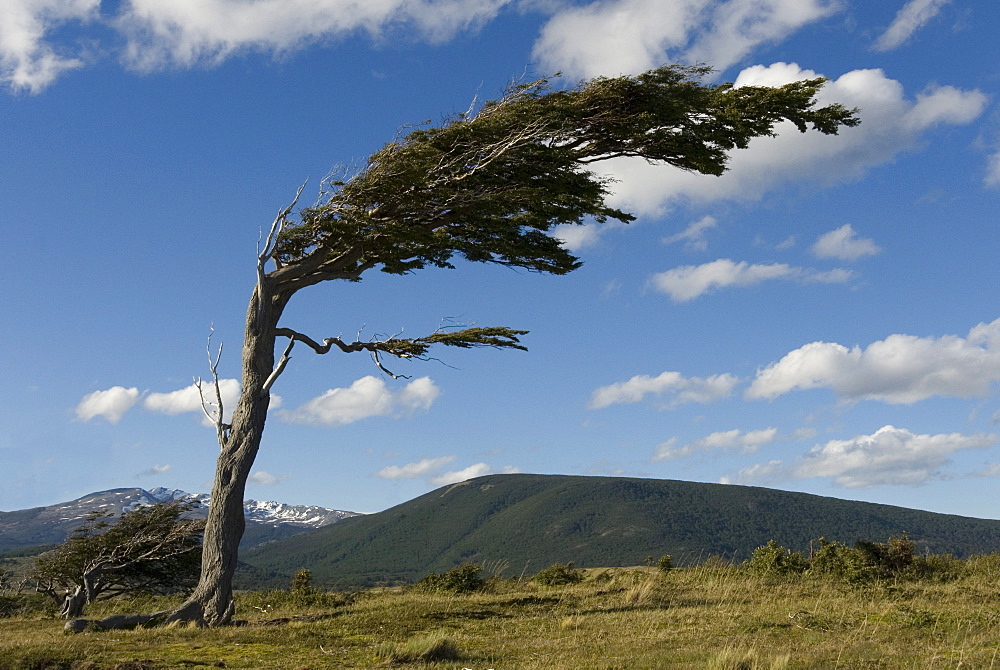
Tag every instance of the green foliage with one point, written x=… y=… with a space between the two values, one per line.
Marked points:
x=425 y=648
x=302 y=582
x=594 y=521
x=463 y=578
x=837 y=561
x=773 y=559
x=559 y=574
x=665 y=564
x=489 y=186
x=152 y=549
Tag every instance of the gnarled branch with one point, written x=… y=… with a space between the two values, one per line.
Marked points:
x=498 y=337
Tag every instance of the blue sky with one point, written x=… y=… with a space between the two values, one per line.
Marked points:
x=823 y=318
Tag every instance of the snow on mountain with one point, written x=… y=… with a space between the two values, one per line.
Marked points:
x=266 y=521
x=269 y=512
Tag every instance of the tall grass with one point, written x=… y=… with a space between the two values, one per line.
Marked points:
x=715 y=615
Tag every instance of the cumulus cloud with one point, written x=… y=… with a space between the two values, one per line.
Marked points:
x=911 y=18
x=577 y=237
x=759 y=474
x=154 y=471
x=183 y=33
x=901 y=369
x=27 y=61
x=694 y=235
x=189 y=399
x=110 y=404
x=366 y=397
x=688 y=282
x=843 y=244
x=477 y=470
x=680 y=389
x=264 y=478
x=421 y=468
x=612 y=37
x=888 y=457
x=891 y=123
x=188 y=32
x=729 y=440
x=430 y=470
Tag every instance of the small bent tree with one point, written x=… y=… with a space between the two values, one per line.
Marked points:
x=152 y=549
x=487 y=186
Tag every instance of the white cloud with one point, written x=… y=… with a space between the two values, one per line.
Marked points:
x=901 y=369
x=681 y=389
x=577 y=237
x=694 y=235
x=188 y=399
x=613 y=37
x=911 y=18
x=888 y=457
x=366 y=397
x=890 y=125
x=155 y=470
x=477 y=470
x=844 y=245
x=421 y=468
x=110 y=404
x=745 y=442
x=264 y=478
x=688 y=282
x=187 y=32
x=183 y=33
x=27 y=61
x=758 y=474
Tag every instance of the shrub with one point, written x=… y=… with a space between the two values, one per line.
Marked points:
x=559 y=574
x=302 y=583
x=773 y=559
x=838 y=561
x=463 y=578
x=665 y=564
x=887 y=560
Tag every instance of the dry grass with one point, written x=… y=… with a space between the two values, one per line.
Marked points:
x=723 y=618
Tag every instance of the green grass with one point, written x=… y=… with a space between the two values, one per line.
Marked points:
x=628 y=619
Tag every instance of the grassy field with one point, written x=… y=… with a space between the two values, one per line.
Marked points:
x=703 y=617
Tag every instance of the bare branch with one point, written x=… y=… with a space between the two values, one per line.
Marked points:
x=279 y=368
x=221 y=428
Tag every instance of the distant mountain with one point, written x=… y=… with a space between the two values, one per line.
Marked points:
x=266 y=521
x=527 y=522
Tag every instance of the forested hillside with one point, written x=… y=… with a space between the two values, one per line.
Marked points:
x=526 y=522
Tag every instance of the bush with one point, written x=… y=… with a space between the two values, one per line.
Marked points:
x=463 y=578
x=302 y=582
x=559 y=574
x=938 y=568
x=773 y=559
x=665 y=564
x=838 y=561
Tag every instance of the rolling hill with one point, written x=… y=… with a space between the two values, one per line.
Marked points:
x=526 y=522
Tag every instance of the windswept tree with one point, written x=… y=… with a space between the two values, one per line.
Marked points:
x=152 y=548
x=487 y=186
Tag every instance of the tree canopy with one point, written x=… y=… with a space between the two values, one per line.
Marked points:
x=151 y=548
x=489 y=185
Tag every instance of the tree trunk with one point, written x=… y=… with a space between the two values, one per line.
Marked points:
x=73 y=602
x=211 y=603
